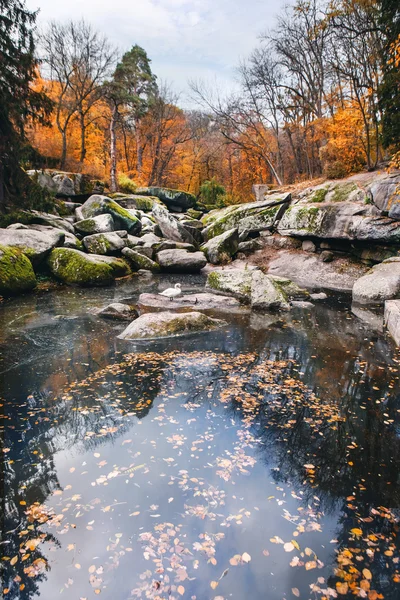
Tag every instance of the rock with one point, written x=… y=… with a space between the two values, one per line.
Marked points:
x=308 y=246
x=309 y=271
x=234 y=282
x=77 y=268
x=262 y=320
x=69 y=207
x=385 y=193
x=71 y=241
x=318 y=296
x=163 y=324
x=16 y=272
x=254 y=216
x=36 y=245
x=104 y=243
x=123 y=219
x=375 y=253
x=346 y=221
x=172 y=198
x=138 y=202
x=42 y=218
x=280 y=241
x=326 y=256
x=170 y=245
x=150 y=239
x=99 y=224
x=122 y=233
x=18 y=226
x=251 y=245
x=171 y=228
x=146 y=251
x=392 y=319
x=132 y=241
x=201 y=301
x=181 y=261
x=192 y=223
x=380 y=283
x=290 y=289
x=119 y=266
x=302 y=304
x=66 y=184
x=118 y=311
x=266 y=294
x=373 y=319
x=146 y=222
x=259 y=191
x=222 y=248
x=140 y=261
x=194 y=214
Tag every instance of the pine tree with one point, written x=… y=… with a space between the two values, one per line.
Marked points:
x=18 y=102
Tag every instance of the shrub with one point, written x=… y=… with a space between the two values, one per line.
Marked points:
x=126 y=184
x=212 y=192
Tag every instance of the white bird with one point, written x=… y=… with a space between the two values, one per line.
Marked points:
x=172 y=292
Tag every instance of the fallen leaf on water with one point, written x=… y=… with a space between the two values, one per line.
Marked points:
x=288 y=547
x=214 y=584
x=367 y=574
x=342 y=588
x=296 y=592
x=181 y=590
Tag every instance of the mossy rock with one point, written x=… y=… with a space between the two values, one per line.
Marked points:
x=99 y=205
x=170 y=197
x=237 y=283
x=140 y=261
x=77 y=268
x=16 y=272
x=319 y=195
x=144 y=203
x=165 y=324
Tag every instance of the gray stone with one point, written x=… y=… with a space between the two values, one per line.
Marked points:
x=234 y=282
x=104 y=243
x=98 y=224
x=36 y=245
x=123 y=218
x=172 y=198
x=259 y=191
x=318 y=296
x=201 y=301
x=170 y=245
x=165 y=324
x=181 y=261
x=122 y=233
x=42 y=218
x=380 y=283
x=65 y=185
x=71 y=241
x=392 y=319
x=140 y=261
x=150 y=239
x=266 y=294
x=118 y=311
x=373 y=319
x=143 y=203
x=326 y=256
x=222 y=248
x=385 y=193
x=171 y=228
x=251 y=245
x=308 y=246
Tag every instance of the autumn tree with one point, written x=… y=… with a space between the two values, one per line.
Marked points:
x=18 y=101
x=389 y=90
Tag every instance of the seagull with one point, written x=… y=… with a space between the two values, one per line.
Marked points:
x=172 y=292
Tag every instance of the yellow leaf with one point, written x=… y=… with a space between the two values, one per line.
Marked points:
x=246 y=557
x=214 y=584
x=288 y=547
x=357 y=532
x=181 y=590
x=14 y=560
x=296 y=592
x=311 y=564
x=367 y=574
x=342 y=588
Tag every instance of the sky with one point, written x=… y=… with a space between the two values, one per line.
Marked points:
x=185 y=39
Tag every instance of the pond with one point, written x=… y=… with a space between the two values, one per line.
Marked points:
x=257 y=461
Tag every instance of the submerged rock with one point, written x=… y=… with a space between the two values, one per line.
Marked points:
x=104 y=243
x=118 y=311
x=164 y=324
x=77 y=268
x=222 y=248
x=16 y=272
x=181 y=261
x=380 y=283
x=36 y=245
x=100 y=205
x=98 y=224
x=201 y=301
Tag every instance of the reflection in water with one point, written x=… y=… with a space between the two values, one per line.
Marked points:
x=261 y=461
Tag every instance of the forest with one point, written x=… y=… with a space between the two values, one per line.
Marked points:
x=319 y=97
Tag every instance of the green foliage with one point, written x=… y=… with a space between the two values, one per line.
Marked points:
x=212 y=193
x=126 y=184
x=18 y=102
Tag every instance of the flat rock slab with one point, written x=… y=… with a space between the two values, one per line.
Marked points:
x=166 y=324
x=201 y=301
x=117 y=311
x=309 y=271
x=181 y=261
x=36 y=245
x=392 y=319
x=380 y=283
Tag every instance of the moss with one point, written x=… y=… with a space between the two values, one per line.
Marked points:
x=139 y=261
x=16 y=272
x=319 y=195
x=119 y=266
x=343 y=191
x=126 y=184
x=74 y=267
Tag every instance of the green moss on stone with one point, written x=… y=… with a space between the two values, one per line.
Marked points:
x=75 y=267
x=16 y=272
x=342 y=192
x=319 y=195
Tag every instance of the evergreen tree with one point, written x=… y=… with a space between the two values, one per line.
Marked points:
x=18 y=101
x=389 y=91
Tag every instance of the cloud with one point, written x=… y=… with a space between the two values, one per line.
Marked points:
x=186 y=39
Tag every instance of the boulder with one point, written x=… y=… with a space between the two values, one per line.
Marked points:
x=171 y=228
x=327 y=256
x=137 y=202
x=65 y=184
x=222 y=248
x=308 y=246
x=16 y=272
x=172 y=198
x=251 y=217
x=146 y=251
x=140 y=261
x=380 y=283
x=385 y=194
x=266 y=294
x=70 y=241
x=250 y=246
x=150 y=239
x=290 y=289
x=234 y=282
x=170 y=245
x=392 y=319
x=104 y=243
x=181 y=261
x=99 y=224
x=42 y=218
x=77 y=268
x=345 y=221
x=118 y=266
x=36 y=245
x=99 y=205
x=164 y=324
x=118 y=311
x=201 y=301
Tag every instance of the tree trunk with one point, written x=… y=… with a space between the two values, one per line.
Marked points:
x=139 y=150
x=113 y=150
x=63 y=158
x=83 y=138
